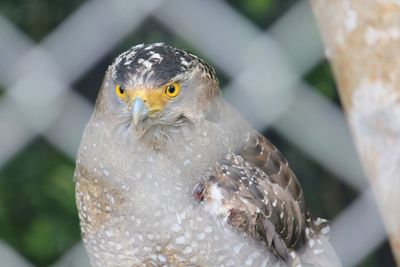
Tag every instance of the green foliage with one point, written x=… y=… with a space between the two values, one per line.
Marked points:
x=262 y=12
x=37 y=17
x=321 y=78
x=37 y=207
x=258 y=9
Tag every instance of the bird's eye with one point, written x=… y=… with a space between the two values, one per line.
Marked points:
x=172 y=90
x=120 y=91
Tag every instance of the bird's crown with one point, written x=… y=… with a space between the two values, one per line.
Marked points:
x=157 y=63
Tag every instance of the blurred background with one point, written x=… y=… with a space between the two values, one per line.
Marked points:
x=270 y=62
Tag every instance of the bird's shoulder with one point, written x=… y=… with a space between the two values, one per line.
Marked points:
x=96 y=198
x=254 y=190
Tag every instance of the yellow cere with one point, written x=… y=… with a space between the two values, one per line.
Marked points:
x=155 y=99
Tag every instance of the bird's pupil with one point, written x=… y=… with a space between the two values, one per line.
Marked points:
x=121 y=90
x=171 y=89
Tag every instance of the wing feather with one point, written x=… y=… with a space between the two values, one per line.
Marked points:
x=262 y=197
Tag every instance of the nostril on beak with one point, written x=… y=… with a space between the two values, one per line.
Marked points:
x=139 y=110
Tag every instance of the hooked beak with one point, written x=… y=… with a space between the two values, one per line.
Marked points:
x=139 y=110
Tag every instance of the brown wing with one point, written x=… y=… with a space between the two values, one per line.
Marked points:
x=258 y=194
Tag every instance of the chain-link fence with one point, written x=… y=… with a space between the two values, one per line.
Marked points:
x=264 y=68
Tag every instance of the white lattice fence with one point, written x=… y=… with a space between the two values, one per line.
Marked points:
x=277 y=58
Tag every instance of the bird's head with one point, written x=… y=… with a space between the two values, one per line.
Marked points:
x=155 y=89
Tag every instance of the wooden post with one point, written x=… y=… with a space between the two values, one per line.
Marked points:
x=362 y=41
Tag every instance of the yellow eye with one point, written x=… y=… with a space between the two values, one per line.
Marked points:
x=120 y=91
x=172 y=90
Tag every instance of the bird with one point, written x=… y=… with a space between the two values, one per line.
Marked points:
x=168 y=173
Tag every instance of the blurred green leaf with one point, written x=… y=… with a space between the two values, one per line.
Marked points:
x=38 y=204
x=262 y=12
x=321 y=78
x=37 y=17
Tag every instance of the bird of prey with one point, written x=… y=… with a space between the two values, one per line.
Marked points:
x=169 y=174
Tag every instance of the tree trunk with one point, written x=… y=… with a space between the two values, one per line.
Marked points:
x=362 y=41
